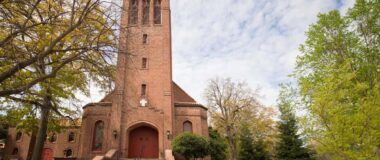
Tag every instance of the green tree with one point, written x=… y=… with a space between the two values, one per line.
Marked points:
x=250 y=148
x=191 y=146
x=218 y=146
x=3 y=128
x=259 y=149
x=246 y=151
x=290 y=145
x=49 y=51
x=339 y=81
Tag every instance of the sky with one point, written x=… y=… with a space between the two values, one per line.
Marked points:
x=255 y=41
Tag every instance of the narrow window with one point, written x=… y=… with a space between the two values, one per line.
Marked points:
x=15 y=151
x=157 y=11
x=18 y=136
x=71 y=137
x=53 y=138
x=98 y=136
x=143 y=89
x=187 y=126
x=145 y=38
x=68 y=153
x=133 y=11
x=144 y=63
x=145 y=16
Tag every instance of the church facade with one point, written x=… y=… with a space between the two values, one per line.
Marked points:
x=146 y=110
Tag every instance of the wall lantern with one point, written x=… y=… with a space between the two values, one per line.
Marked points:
x=169 y=134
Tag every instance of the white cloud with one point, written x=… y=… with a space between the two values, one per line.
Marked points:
x=256 y=41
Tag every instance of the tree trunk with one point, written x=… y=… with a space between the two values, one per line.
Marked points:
x=232 y=143
x=41 y=134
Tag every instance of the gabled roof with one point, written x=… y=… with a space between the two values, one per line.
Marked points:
x=108 y=98
x=180 y=95
x=182 y=99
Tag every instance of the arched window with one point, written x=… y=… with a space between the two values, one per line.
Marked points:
x=133 y=11
x=187 y=126
x=71 y=137
x=15 y=151
x=98 y=136
x=53 y=138
x=68 y=153
x=145 y=15
x=18 y=136
x=157 y=11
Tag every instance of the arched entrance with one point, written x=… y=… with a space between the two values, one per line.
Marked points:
x=47 y=154
x=143 y=143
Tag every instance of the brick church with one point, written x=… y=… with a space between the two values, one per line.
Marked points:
x=145 y=111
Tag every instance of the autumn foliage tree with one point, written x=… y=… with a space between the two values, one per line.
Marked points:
x=49 y=52
x=228 y=102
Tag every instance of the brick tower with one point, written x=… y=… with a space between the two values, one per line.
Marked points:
x=147 y=109
x=144 y=80
x=140 y=117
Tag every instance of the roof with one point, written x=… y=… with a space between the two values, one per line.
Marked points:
x=182 y=99
x=180 y=95
x=108 y=97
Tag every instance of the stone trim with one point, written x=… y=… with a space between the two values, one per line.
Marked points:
x=104 y=104
x=189 y=104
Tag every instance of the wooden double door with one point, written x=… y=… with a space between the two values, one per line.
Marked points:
x=143 y=143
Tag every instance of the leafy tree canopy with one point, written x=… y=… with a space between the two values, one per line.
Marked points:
x=338 y=76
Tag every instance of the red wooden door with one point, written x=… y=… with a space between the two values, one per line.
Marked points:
x=143 y=143
x=47 y=154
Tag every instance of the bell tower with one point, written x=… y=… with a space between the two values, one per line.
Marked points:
x=143 y=95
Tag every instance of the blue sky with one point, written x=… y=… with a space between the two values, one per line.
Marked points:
x=247 y=40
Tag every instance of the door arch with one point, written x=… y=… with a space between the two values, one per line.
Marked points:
x=143 y=143
x=47 y=154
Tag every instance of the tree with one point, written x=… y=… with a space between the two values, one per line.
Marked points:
x=227 y=100
x=246 y=151
x=3 y=128
x=49 y=51
x=218 y=146
x=251 y=148
x=259 y=150
x=190 y=146
x=290 y=145
x=339 y=80
x=40 y=31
